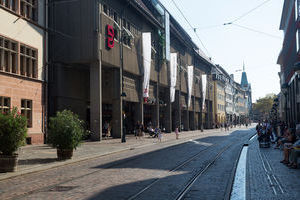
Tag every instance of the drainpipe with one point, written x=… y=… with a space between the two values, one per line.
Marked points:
x=45 y=75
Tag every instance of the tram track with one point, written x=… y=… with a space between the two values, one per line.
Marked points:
x=120 y=163
x=193 y=179
x=109 y=166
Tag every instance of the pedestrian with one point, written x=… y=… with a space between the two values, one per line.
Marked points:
x=105 y=127
x=177 y=133
x=159 y=134
x=141 y=127
x=136 y=129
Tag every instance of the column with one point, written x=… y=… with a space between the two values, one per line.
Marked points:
x=186 y=122
x=117 y=105
x=168 y=113
x=177 y=116
x=96 y=101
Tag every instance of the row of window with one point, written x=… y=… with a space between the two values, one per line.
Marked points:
x=26 y=108
x=221 y=107
x=27 y=8
x=18 y=58
x=116 y=17
x=221 y=97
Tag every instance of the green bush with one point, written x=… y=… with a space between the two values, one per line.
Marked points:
x=13 y=131
x=65 y=130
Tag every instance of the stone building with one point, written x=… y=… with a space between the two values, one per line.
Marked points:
x=23 y=58
x=125 y=61
x=288 y=60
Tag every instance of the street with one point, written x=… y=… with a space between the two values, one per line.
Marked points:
x=200 y=168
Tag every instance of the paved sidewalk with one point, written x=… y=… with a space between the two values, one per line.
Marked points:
x=268 y=178
x=42 y=157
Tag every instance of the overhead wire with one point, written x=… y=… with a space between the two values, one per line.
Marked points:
x=257 y=31
x=190 y=26
x=250 y=11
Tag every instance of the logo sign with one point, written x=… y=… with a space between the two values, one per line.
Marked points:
x=110 y=43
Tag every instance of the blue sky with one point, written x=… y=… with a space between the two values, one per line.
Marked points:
x=231 y=45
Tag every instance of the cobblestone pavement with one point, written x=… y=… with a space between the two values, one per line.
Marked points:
x=42 y=157
x=153 y=170
x=268 y=178
x=121 y=175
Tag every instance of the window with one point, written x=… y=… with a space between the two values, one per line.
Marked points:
x=28 y=9
x=11 y=52
x=116 y=17
x=297 y=41
x=10 y=4
x=8 y=55
x=28 y=62
x=105 y=9
x=4 y=104
x=26 y=110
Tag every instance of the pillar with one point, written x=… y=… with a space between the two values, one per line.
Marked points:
x=186 y=122
x=117 y=105
x=177 y=114
x=168 y=113
x=96 y=101
x=192 y=120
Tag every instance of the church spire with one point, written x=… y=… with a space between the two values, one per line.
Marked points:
x=244 y=80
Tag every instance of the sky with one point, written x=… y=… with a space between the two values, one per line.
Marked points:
x=230 y=46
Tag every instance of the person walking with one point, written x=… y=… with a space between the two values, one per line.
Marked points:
x=177 y=133
x=159 y=133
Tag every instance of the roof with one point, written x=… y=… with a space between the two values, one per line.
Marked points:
x=145 y=10
x=244 y=80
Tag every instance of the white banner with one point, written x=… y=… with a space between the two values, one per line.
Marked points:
x=167 y=34
x=147 y=62
x=173 y=75
x=204 y=81
x=190 y=72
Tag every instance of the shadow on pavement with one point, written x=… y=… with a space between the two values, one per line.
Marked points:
x=170 y=185
x=35 y=161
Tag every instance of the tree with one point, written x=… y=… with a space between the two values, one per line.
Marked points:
x=263 y=106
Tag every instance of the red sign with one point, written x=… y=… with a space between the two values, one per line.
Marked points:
x=110 y=36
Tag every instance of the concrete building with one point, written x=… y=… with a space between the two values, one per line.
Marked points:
x=23 y=62
x=111 y=61
x=289 y=63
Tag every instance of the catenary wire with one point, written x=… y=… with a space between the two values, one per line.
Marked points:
x=256 y=31
x=190 y=26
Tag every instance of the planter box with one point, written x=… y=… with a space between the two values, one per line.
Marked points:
x=8 y=163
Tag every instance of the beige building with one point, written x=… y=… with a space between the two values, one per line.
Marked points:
x=219 y=82
x=220 y=102
x=22 y=62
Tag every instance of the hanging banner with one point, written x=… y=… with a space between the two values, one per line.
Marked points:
x=173 y=75
x=146 y=45
x=190 y=72
x=167 y=34
x=204 y=81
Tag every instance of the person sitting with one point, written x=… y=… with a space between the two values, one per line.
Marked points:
x=294 y=154
x=287 y=147
x=282 y=139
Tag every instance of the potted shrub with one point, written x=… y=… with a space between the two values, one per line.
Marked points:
x=65 y=132
x=13 y=132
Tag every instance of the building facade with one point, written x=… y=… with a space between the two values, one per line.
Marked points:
x=289 y=63
x=114 y=64
x=23 y=59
